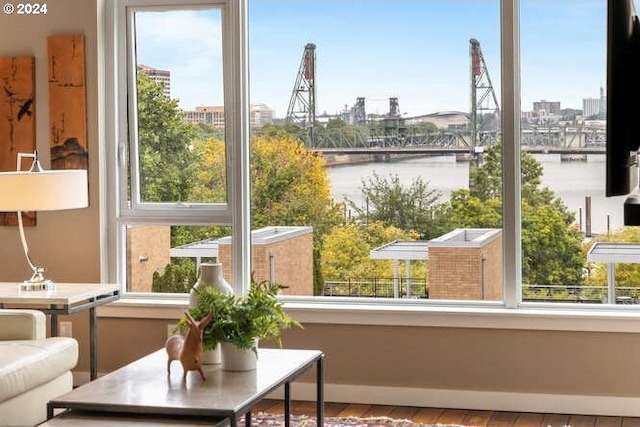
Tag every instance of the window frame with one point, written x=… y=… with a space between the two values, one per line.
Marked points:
x=320 y=309
x=120 y=78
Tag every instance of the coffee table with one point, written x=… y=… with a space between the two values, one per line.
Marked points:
x=66 y=298
x=144 y=387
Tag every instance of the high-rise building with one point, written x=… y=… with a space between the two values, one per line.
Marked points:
x=595 y=107
x=161 y=77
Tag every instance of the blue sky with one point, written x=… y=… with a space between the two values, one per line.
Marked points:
x=415 y=50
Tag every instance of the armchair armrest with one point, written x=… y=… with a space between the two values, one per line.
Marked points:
x=18 y=324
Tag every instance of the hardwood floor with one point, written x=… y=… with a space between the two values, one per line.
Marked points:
x=451 y=416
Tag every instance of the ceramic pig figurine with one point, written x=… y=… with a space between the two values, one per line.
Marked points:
x=188 y=349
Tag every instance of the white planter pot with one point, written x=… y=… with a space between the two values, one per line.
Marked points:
x=237 y=359
x=212 y=357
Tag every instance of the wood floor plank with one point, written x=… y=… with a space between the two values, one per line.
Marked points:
x=529 y=419
x=631 y=422
x=477 y=418
x=602 y=421
x=379 y=411
x=304 y=408
x=354 y=410
x=403 y=412
x=503 y=419
x=582 y=421
x=333 y=409
x=452 y=416
x=427 y=415
x=555 y=420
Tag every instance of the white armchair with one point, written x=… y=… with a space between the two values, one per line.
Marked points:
x=33 y=369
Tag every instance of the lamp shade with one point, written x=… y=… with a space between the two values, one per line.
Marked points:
x=48 y=190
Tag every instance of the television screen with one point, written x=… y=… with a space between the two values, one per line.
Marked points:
x=623 y=101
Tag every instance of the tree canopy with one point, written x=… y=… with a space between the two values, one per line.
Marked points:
x=551 y=248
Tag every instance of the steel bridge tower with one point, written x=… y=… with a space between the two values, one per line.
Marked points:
x=302 y=105
x=483 y=98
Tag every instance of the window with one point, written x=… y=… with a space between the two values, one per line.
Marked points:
x=385 y=139
x=176 y=183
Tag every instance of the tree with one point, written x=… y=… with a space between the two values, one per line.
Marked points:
x=551 y=248
x=346 y=251
x=626 y=274
x=414 y=207
x=290 y=186
x=167 y=164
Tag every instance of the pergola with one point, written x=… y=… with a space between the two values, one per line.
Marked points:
x=612 y=253
x=402 y=250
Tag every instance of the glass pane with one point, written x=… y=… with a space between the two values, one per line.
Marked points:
x=382 y=111
x=563 y=60
x=163 y=258
x=180 y=106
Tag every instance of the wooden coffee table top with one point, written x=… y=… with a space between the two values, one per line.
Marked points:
x=143 y=387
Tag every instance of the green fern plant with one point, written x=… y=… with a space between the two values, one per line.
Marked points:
x=241 y=320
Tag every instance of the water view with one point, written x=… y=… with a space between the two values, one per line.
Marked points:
x=571 y=181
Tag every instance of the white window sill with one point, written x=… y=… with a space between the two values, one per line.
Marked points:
x=353 y=312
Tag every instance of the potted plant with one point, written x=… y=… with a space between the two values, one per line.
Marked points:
x=239 y=322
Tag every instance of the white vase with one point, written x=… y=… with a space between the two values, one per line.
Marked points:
x=209 y=274
x=238 y=359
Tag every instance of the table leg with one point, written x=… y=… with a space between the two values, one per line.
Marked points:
x=247 y=419
x=93 y=345
x=320 y=392
x=53 y=324
x=287 y=404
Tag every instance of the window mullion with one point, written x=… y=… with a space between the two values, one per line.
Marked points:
x=510 y=53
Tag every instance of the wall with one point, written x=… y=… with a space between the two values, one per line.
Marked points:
x=68 y=243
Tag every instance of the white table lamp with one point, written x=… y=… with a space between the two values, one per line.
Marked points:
x=41 y=190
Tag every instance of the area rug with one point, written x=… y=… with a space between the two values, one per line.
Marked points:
x=269 y=420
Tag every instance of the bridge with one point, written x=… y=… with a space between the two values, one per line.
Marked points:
x=361 y=139
x=439 y=151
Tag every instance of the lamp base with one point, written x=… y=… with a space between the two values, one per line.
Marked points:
x=37 y=282
x=47 y=285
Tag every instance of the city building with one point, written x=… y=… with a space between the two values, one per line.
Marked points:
x=546 y=108
x=259 y=115
x=161 y=77
x=595 y=107
x=210 y=115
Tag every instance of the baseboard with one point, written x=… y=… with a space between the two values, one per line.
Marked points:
x=456 y=399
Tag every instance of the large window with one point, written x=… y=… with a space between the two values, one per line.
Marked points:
x=390 y=152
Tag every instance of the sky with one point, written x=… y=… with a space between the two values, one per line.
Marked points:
x=415 y=50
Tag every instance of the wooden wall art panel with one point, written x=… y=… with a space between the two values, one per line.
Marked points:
x=17 y=120
x=67 y=102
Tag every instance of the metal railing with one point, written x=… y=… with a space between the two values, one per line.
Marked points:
x=419 y=288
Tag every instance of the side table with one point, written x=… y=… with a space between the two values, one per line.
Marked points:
x=67 y=298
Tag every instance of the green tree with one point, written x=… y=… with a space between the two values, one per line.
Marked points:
x=626 y=274
x=167 y=164
x=346 y=252
x=290 y=186
x=389 y=202
x=552 y=251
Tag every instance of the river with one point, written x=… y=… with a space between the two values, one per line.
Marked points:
x=571 y=181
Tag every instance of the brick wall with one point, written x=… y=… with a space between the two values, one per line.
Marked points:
x=456 y=272
x=147 y=252
x=293 y=259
